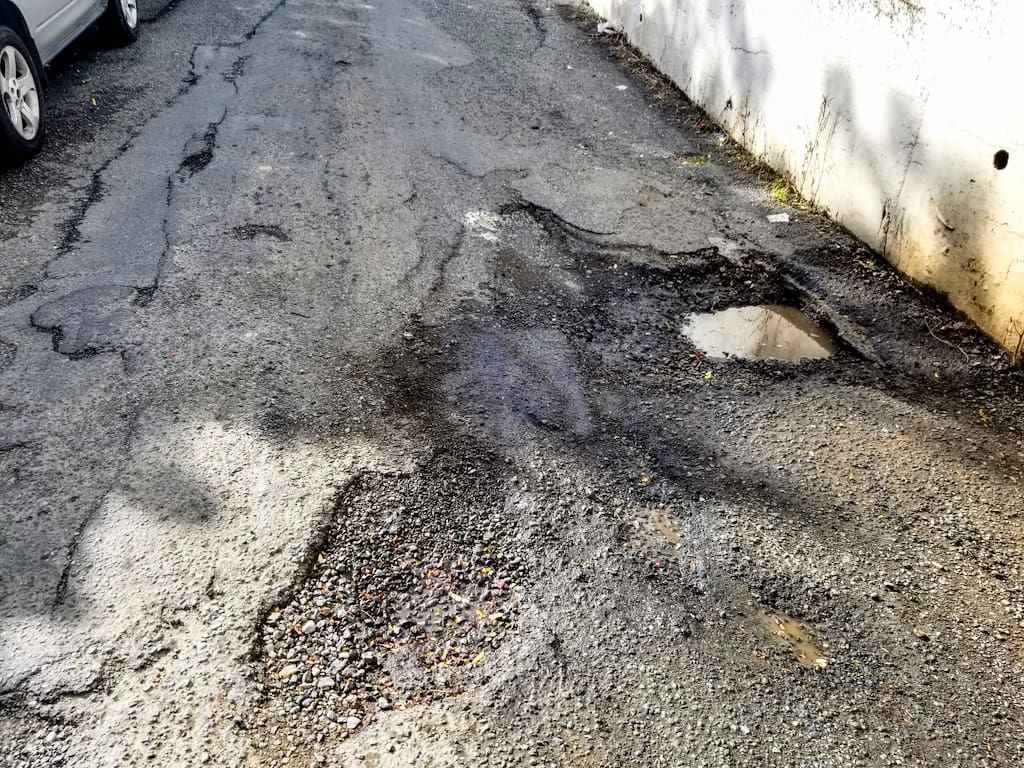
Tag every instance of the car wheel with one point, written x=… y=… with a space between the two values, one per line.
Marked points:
x=121 y=21
x=22 y=113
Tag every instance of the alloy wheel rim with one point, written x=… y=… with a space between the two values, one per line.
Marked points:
x=131 y=12
x=19 y=93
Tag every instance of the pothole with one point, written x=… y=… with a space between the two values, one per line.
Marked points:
x=764 y=332
x=417 y=587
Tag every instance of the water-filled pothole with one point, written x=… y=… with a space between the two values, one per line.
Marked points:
x=796 y=636
x=765 y=332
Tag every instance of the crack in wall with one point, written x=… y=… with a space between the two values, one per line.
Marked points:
x=748 y=51
x=911 y=152
x=812 y=169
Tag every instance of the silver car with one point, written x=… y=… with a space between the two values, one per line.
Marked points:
x=32 y=33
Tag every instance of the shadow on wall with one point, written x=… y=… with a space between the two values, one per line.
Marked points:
x=938 y=217
x=878 y=112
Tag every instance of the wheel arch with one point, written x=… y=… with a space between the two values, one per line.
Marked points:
x=11 y=17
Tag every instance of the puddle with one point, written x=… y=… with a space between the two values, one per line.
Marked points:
x=657 y=521
x=664 y=525
x=767 y=332
x=796 y=636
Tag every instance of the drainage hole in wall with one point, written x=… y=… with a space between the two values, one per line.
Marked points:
x=1001 y=159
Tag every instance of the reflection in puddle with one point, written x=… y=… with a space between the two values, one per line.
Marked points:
x=770 y=332
x=796 y=636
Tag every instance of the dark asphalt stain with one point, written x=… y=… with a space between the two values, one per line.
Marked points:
x=253 y=231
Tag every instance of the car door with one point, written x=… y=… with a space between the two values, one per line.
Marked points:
x=53 y=21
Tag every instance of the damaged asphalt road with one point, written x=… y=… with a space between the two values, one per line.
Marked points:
x=348 y=416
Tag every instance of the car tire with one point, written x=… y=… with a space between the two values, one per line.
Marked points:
x=22 y=105
x=121 y=21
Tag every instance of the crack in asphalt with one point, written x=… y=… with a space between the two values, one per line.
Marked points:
x=536 y=16
x=316 y=544
x=57 y=338
x=543 y=214
x=200 y=158
x=263 y=19
x=57 y=330
x=519 y=172
x=95 y=187
x=168 y=9
x=145 y=295
x=72 y=229
x=237 y=71
x=550 y=220
x=60 y=593
x=193 y=162
x=450 y=254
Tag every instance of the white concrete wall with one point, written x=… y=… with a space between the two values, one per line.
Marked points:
x=888 y=113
